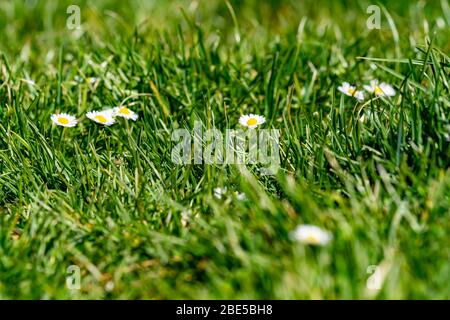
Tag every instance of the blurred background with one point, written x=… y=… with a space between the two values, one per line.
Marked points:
x=39 y=23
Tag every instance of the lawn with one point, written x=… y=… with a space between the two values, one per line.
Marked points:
x=99 y=211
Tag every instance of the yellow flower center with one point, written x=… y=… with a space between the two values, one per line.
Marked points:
x=63 y=120
x=125 y=111
x=312 y=239
x=100 y=118
x=252 y=122
x=351 y=91
x=378 y=91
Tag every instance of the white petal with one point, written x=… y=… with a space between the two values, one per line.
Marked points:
x=243 y=120
x=369 y=88
x=360 y=96
x=219 y=192
x=387 y=89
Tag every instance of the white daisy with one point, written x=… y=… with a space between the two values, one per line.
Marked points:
x=105 y=117
x=109 y=286
x=251 y=120
x=240 y=196
x=309 y=234
x=64 y=120
x=351 y=91
x=381 y=90
x=219 y=192
x=126 y=113
x=92 y=80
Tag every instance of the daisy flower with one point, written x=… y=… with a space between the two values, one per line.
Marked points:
x=105 y=117
x=92 y=80
x=126 y=113
x=240 y=196
x=351 y=91
x=64 y=120
x=219 y=192
x=309 y=234
x=251 y=120
x=380 y=90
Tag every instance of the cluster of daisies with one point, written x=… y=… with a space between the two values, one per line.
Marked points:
x=105 y=117
x=306 y=234
x=314 y=235
x=378 y=89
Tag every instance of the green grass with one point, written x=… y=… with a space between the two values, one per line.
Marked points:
x=110 y=200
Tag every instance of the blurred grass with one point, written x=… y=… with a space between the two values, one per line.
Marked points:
x=110 y=200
